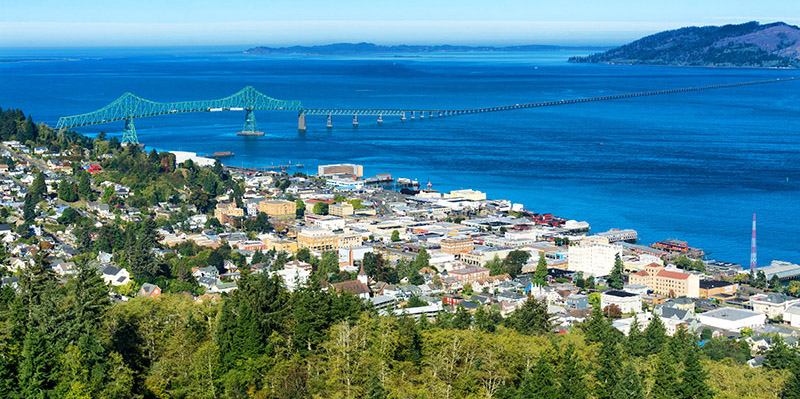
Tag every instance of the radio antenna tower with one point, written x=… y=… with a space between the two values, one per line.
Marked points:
x=753 y=257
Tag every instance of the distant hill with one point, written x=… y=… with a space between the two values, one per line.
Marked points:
x=775 y=45
x=372 y=48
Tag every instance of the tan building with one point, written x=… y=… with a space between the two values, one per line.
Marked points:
x=319 y=240
x=278 y=208
x=667 y=282
x=340 y=169
x=227 y=210
x=470 y=274
x=279 y=245
x=341 y=210
x=713 y=288
x=454 y=245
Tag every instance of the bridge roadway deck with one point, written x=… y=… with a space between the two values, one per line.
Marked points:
x=454 y=112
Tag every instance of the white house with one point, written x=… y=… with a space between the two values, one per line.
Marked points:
x=773 y=305
x=116 y=276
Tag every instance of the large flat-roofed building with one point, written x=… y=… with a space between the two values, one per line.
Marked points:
x=320 y=240
x=712 y=288
x=278 y=208
x=340 y=169
x=616 y=235
x=773 y=304
x=628 y=302
x=454 y=245
x=468 y=194
x=732 y=319
x=667 y=282
x=784 y=270
x=594 y=256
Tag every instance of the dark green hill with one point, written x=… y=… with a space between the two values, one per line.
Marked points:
x=775 y=45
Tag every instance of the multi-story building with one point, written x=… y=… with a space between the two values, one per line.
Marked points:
x=341 y=210
x=772 y=305
x=279 y=244
x=594 y=256
x=711 y=288
x=227 y=210
x=469 y=274
x=319 y=240
x=278 y=208
x=672 y=283
x=454 y=245
x=340 y=169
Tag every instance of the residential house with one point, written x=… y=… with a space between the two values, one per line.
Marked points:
x=149 y=290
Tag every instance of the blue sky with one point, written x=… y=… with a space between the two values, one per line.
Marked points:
x=58 y=23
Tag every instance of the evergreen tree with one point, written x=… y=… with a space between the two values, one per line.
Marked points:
x=616 y=279
x=258 y=256
x=693 y=379
x=482 y=320
x=531 y=318
x=656 y=335
x=541 y=268
x=462 y=319
x=791 y=389
x=665 y=381
x=596 y=326
x=422 y=260
x=539 y=382
x=29 y=208
x=607 y=370
x=38 y=187
x=681 y=343
x=571 y=376
x=780 y=356
x=629 y=385
x=636 y=343
x=85 y=187
x=375 y=388
x=409 y=342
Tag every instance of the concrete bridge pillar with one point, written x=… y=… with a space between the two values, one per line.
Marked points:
x=380 y=118
x=413 y=114
x=329 y=125
x=403 y=116
x=355 y=120
x=301 y=123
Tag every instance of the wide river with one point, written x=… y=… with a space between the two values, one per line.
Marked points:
x=693 y=166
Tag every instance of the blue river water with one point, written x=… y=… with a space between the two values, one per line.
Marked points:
x=693 y=166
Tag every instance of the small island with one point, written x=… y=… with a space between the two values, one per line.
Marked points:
x=775 y=45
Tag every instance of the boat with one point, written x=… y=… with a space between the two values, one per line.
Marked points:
x=222 y=154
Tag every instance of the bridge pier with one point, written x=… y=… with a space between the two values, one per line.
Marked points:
x=355 y=120
x=301 y=123
x=413 y=114
x=250 y=127
x=380 y=119
x=329 y=125
x=403 y=117
x=129 y=133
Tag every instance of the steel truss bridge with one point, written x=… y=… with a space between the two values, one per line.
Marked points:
x=130 y=106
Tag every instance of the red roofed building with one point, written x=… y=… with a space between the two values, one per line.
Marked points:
x=672 y=283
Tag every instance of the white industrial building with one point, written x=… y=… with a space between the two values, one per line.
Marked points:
x=732 y=319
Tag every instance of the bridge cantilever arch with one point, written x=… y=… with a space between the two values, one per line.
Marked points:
x=129 y=106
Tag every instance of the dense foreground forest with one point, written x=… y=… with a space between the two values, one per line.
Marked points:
x=69 y=341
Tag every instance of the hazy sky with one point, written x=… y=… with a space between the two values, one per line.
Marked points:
x=56 y=23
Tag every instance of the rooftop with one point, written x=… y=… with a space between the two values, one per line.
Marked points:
x=621 y=294
x=730 y=314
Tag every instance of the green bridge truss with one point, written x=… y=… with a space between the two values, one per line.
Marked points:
x=130 y=106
